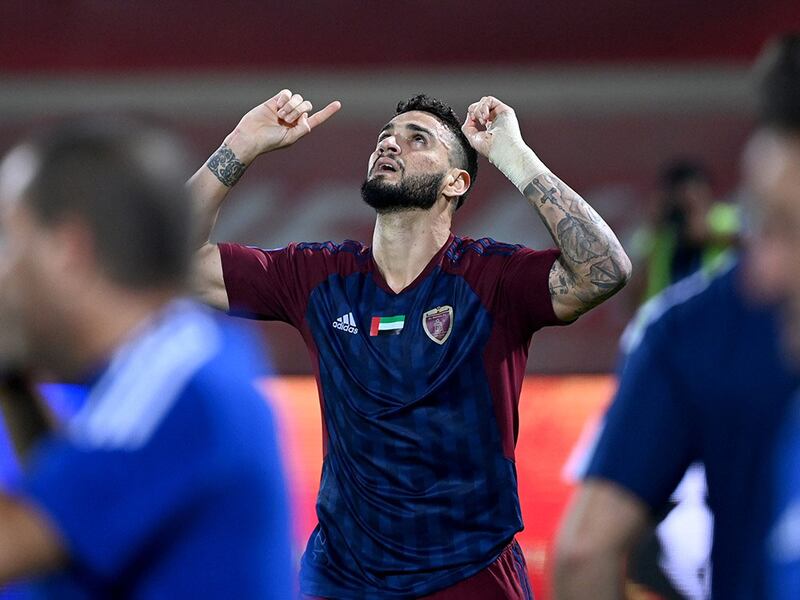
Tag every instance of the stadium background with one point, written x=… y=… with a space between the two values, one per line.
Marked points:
x=606 y=92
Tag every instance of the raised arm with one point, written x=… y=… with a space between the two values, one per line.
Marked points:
x=277 y=123
x=593 y=265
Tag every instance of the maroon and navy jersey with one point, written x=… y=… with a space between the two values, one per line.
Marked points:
x=419 y=393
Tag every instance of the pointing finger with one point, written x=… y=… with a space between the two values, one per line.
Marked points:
x=326 y=113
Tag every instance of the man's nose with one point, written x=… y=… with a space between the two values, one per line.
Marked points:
x=388 y=145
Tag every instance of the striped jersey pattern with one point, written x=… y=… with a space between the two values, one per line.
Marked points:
x=419 y=487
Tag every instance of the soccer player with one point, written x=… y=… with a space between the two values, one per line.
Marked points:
x=773 y=172
x=419 y=343
x=707 y=380
x=167 y=482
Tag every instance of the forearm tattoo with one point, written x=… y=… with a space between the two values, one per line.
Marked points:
x=594 y=263
x=227 y=168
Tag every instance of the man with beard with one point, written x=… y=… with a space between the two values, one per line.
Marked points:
x=419 y=343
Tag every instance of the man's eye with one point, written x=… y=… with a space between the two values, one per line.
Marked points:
x=419 y=138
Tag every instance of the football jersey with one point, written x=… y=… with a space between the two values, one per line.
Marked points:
x=419 y=392
x=167 y=482
x=704 y=381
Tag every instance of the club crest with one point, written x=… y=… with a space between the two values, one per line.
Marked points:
x=438 y=323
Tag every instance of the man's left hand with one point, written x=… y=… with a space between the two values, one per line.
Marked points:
x=493 y=130
x=489 y=121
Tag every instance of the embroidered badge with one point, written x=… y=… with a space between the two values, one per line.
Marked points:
x=438 y=323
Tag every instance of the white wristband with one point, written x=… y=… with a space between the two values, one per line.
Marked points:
x=517 y=162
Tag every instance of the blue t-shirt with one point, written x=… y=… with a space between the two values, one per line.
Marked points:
x=419 y=392
x=705 y=381
x=783 y=545
x=64 y=401
x=167 y=483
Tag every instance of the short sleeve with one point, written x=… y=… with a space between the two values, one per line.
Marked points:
x=647 y=440
x=95 y=498
x=264 y=284
x=525 y=290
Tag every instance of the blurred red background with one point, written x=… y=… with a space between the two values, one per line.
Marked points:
x=118 y=35
x=607 y=91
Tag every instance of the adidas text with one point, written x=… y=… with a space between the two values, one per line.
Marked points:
x=346 y=323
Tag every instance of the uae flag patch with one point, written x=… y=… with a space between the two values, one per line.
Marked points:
x=387 y=325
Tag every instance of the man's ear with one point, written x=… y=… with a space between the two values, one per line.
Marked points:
x=72 y=242
x=456 y=183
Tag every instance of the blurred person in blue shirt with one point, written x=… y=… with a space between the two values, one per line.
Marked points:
x=166 y=483
x=772 y=167
x=709 y=380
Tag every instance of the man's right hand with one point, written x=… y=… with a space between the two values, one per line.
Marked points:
x=277 y=123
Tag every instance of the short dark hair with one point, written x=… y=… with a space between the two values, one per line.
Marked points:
x=465 y=155
x=126 y=182
x=778 y=83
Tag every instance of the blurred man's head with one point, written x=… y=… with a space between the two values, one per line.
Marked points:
x=772 y=171
x=421 y=155
x=778 y=79
x=87 y=210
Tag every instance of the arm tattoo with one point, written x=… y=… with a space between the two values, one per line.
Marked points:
x=224 y=164
x=593 y=265
x=548 y=194
x=579 y=239
x=605 y=274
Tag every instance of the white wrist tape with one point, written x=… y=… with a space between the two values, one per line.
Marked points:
x=519 y=163
x=510 y=154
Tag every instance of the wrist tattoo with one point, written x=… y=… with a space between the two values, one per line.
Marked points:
x=225 y=166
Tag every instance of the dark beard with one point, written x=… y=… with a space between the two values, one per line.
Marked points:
x=417 y=191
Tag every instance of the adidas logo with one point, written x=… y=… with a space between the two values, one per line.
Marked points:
x=346 y=323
